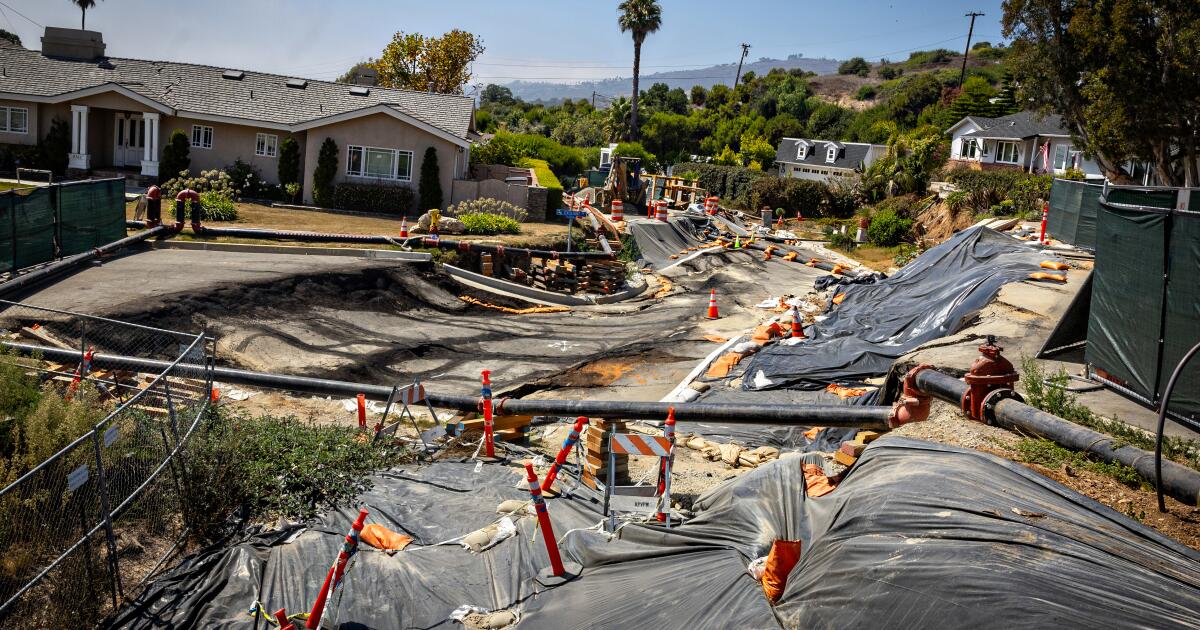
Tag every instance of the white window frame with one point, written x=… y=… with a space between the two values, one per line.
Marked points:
x=202 y=142
x=802 y=152
x=1000 y=151
x=968 y=149
x=1066 y=157
x=362 y=173
x=266 y=145
x=6 y=119
x=831 y=154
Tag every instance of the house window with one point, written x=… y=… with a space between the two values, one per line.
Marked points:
x=1062 y=157
x=379 y=163
x=1006 y=152
x=831 y=154
x=14 y=119
x=970 y=150
x=266 y=145
x=202 y=136
x=802 y=152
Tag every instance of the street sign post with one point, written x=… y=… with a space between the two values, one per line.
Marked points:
x=572 y=215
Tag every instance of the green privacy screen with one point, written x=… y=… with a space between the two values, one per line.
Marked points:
x=38 y=225
x=1073 y=208
x=1145 y=309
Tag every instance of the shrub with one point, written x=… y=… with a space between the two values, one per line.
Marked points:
x=248 y=181
x=636 y=150
x=430 y=187
x=887 y=73
x=855 y=65
x=23 y=155
x=865 y=93
x=888 y=229
x=510 y=148
x=175 y=156
x=804 y=195
x=488 y=224
x=206 y=181
x=55 y=148
x=487 y=205
x=730 y=183
x=546 y=179
x=844 y=242
x=1075 y=174
x=397 y=200
x=323 y=174
x=988 y=188
x=289 y=163
x=215 y=206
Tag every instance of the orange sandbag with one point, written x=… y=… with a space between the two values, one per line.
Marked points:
x=383 y=538
x=837 y=299
x=845 y=392
x=790 y=256
x=1042 y=275
x=766 y=332
x=715 y=338
x=723 y=365
x=816 y=482
x=783 y=557
x=1055 y=265
x=811 y=434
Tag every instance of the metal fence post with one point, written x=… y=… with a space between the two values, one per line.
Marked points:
x=113 y=567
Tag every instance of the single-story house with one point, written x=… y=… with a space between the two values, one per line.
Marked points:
x=1026 y=140
x=824 y=160
x=121 y=112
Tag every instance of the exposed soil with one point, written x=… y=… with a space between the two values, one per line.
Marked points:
x=938 y=223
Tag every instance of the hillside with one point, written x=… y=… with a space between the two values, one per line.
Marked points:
x=542 y=91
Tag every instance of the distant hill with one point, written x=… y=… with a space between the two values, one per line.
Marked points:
x=712 y=75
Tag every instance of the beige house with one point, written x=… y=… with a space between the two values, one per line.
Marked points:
x=121 y=112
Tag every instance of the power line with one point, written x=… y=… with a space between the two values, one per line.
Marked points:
x=5 y=4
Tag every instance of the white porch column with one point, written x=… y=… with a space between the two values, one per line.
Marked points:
x=150 y=139
x=79 y=157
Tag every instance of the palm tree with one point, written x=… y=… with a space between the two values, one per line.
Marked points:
x=84 y=5
x=618 y=117
x=640 y=18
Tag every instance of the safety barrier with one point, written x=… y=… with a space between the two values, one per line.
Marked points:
x=654 y=499
x=69 y=525
x=38 y=225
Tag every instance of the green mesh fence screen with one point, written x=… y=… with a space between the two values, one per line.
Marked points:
x=1073 y=207
x=90 y=214
x=1151 y=198
x=1181 y=322
x=38 y=225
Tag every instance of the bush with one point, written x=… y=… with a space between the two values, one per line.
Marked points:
x=844 y=242
x=887 y=73
x=546 y=179
x=855 y=65
x=509 y=148
x=865 y=93
x=207 y=181
x=791 y=194
x=248 y=181
x=289 y=163
x=430 y=187
x=23 y=155
x=215 y=206
x=487 y=205
x=487 y=224
x=636 y=150
x=397 y=200
x=888 y=229
x=985 y=189
x=175 y=156
x=323 y=174
x=730 y=183
x=55 y=148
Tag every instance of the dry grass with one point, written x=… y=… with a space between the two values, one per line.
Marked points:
x=877 y=258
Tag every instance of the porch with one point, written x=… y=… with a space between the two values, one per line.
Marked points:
x=114 y=139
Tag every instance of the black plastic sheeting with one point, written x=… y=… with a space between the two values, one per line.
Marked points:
x=875 y=324
x=659 y=240
x=917 y=535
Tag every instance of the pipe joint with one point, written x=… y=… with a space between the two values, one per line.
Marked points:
x=989 y=373
x=988 y=407
x=913 y=404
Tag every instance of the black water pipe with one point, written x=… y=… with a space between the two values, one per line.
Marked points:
x=859 y=416
x=1162 y=422
x=55 y=268
x=1177 y=480
x=135 y=224
x=411 y=241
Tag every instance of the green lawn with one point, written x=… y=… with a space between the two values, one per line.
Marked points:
x=11 y=185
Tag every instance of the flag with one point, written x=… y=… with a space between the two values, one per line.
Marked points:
x=1046 y=156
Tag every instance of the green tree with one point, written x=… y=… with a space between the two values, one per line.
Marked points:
x=618 y=119
x=83 y=5
x=431 y=181
x=1122 y=74
x=1006 y=100
x=855 y=65
x=12 y=38
x=289 y=161
x=434 y=64
x=55 y=148
x=698 y=94
x=326 y=170
x=496 y=94
x=176 y=156
x=639 y=18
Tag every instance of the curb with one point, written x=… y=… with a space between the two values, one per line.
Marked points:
x=379 y=254
x=512 y=289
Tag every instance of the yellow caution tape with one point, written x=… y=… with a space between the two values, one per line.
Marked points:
x=514 y=311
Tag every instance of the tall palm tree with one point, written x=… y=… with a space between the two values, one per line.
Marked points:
x=84 y=5
x=618 y=116
x=639 y=18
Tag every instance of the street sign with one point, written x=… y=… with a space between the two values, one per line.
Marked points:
x=574 y=214
x=633 y=499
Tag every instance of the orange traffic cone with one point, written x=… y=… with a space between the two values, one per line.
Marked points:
x=712 y=305
x=797 y=325
x=404 y=227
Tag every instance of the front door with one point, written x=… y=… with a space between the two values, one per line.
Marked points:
x=130 y=140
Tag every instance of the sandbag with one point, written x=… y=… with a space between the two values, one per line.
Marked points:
x=783 y=557
x=383 y=538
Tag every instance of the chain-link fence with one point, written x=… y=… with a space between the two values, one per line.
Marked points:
x=87 y=526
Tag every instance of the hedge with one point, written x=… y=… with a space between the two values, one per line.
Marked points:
x=547 y=180
x=396 y=200
x=730 y=183
x=748 y=189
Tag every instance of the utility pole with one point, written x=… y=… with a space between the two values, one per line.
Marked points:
x=745 y=51
x=970 y=31
x=593 y=99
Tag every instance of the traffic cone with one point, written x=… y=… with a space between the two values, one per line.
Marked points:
x=404 y=227
x=618 y=210
x=737 y=241
x=712 y=305
x=797 y=326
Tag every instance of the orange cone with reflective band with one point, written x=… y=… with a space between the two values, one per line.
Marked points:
x=404 y=227
x=797 y=325
x=712 y=305
x=618 y=210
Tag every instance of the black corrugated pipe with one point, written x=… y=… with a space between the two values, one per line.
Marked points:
x=1162 y=421
x=858 y=416
x=53 y=269
x=135 y=224
x=1179 y=481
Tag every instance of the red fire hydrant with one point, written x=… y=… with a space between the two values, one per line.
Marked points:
x=989 y=373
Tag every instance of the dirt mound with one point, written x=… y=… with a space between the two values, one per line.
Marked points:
x=938 y=222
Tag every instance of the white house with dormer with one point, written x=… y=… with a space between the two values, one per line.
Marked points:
x=825 y=160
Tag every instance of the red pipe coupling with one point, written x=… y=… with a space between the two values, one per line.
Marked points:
x=913 y=404
x=989 y=373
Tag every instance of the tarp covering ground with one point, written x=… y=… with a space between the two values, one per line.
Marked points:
x=875 y=324
x=659 y=240
x=917 y=535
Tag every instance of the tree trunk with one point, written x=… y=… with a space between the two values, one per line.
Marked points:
x=83 y=19
x=633 y=108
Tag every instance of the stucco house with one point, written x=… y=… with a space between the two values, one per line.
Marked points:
x=1026 y=140
x=824 y=160
x=121 y=112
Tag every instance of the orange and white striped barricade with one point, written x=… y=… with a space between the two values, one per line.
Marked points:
x=633 y=498
x=618 y=211
x=406 y=397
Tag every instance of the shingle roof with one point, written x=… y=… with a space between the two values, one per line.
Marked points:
x=850 y=154
x=201 y=89
x=1019 y=125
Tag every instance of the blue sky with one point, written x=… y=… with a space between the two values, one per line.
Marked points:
x=556 y=40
